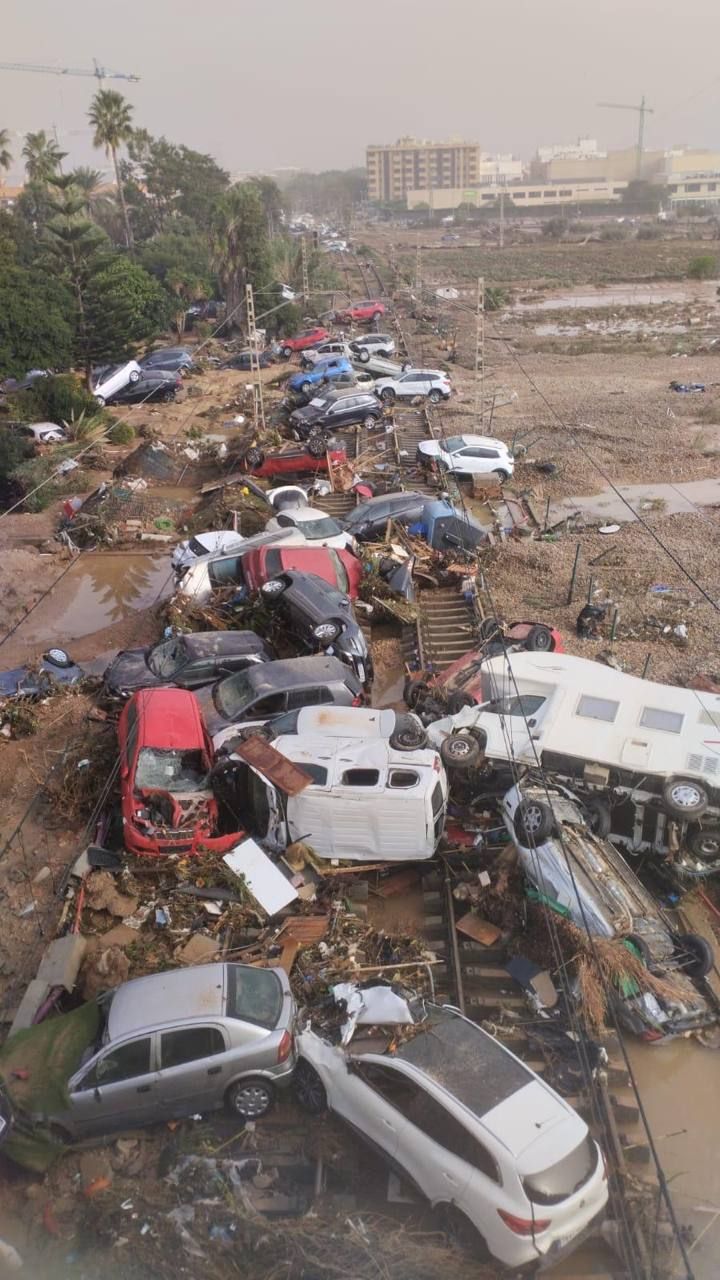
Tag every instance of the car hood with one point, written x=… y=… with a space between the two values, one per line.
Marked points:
x=129 y=671
x=308 y=413
x=431 y=448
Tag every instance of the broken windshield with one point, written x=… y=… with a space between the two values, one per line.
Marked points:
x=231 y=696
x=165 y=659
x=254 y=995
x=170 y=770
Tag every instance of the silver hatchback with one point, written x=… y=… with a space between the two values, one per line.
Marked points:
x=181 y=1042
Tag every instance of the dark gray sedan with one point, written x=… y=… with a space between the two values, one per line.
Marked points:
x=187 y=661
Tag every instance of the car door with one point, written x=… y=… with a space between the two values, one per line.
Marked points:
x=412 y=384
x=195 y=1068
x=434 y=1148
x=273 y=704
x=344 y=411
x=118 y=1089
x=367 y=1095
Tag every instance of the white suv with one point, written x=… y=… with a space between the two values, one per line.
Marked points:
x=375 y=344
x=469 y=455
x=432 y=383
x=477 y=1132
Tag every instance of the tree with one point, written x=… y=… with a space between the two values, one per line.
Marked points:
x=182 y=248
x=42 y=156
x=78 y=249
x=640 y=196
x=173 y=180
x=111 y=117
x=272 y=202
x=240 y=248
x=5 y=152
x=332 y=192
x=124 y=307
x=37 y=321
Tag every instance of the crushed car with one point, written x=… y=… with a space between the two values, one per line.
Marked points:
x=37 y=680
x=185 y=661
x=320 y=617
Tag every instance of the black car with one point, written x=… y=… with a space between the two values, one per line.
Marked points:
x=370 y=518
x=321 y=617
x=187 y=661
x=242 y=360
x=153 y=384
x=331 y=412
x=264 y=692
x=55 y=667
x=168 y=358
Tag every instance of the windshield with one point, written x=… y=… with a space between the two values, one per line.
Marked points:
x=562 y=1179
x=326 y=527
x=231 y=696
x=452 y=444
x=197 y=547
x=167 y=657
x=167 y=770
x=254 y=995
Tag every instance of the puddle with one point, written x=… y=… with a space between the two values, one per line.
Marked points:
x=625 y=295
x=99 y=591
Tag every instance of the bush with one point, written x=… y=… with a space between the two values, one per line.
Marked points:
x=61 y=398
x=649 y=233
x=37 y=471
x=704 y=267
x=613 y=233
x=121 y=433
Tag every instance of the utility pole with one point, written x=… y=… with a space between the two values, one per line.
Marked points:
x=502 y=219
x=418 y=273
x=305 y=278
x=642 y=112
x=480 y=354
x=254 y=344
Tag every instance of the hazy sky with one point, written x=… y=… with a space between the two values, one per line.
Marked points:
x=264 y=85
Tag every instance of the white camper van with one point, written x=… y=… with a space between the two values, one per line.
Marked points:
x=589 y=723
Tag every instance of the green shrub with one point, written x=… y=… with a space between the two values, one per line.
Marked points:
x=61 y=398
x=121 y=433
x=38 y=471
x=704 y=267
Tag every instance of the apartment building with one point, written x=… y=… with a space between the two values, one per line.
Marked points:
x=395 y=168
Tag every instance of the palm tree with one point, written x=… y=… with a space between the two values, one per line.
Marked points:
x=111 y=118
x=89 y=182
x=5 y=153
x=42 y=156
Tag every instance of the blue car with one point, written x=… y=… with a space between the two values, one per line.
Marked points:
x=324 y=371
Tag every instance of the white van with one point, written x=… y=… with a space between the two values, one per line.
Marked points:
x=368 y=801
x=583 y=720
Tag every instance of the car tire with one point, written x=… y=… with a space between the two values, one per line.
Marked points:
x=388 y=396
x=100 y=402
x=458 y=701
x=599 y=818
x=168 y=396
x=317 y=446
x=705 y=844
x=463 y=1233
x=309 y=1088
x=135 y=375
x=306 y=388
x=384 y=355
x=408 y=734
x=539 y=640
x=435 y=397
x=255 y=457
x=272 y=590
x=370 y=421
x=701 y=955
x=414 y=691
x=501 y=475
x=58 y=658
x=364 y=355
x=460 y=751
x=489 y=629
x=685 y=798
x=287 y=352
x=533 y=822
x=251 y=1098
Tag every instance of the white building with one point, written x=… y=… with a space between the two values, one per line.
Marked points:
x=583 y=149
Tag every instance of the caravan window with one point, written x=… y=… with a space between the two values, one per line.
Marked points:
x=525 y=704
x=597 y=708
x=656 y=718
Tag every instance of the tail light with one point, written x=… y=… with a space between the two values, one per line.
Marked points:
x=358 y=700
x=649 y=1035
x=285 y=1047
x=524 y=1226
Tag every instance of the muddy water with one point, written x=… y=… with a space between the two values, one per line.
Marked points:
x=625 y=295
x=678 y=1084
x=101 y=589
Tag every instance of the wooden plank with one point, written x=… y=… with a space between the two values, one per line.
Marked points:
x=273 y=765
x=398 y=883
x=478 y=929
x=304 y=929
x=286 y=959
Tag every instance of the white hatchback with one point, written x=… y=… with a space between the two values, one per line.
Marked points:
x=479 y=1134
x=469 y=455
x=316 y=526
x=114 y=379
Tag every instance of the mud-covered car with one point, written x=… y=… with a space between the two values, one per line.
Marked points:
x=185 y=661
x=321 y=618
x=35 y=681
x=583 y=876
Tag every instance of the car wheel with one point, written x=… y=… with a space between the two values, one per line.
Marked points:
x=376 y=316
x=58 y=658
x=489 y=629
x=100 y=401
x=306 y=388
x=384 y=355
x=457 y=701
x=435 y=397
x=414 y=691
x=598 y=815
x=317 y=446
x=135 y=375
x=251 y=1098
x=326 y=632
x=168 y=396
x=539 y=640
x=388 y=395
x=460 y=751
x=684 y=798
x=533 y=822
x=696 y=954
x=462 y=1232
x=364 y=355
x=705 y=843
x=255 y=457
x=501 y=475
x=309 y=1088
x=287 y=352
x=370 y=421
x=408 y=734
x=273 y=589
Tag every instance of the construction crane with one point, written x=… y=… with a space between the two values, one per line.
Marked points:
x=642 y=111
x=100 y=73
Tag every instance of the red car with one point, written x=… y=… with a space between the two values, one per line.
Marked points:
x=359 y=311
x=294 y=460
x=340 y=568
x=165 y=758
x=306 y=338
x=461 y=684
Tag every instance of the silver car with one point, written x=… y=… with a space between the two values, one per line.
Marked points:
x=188 y=1040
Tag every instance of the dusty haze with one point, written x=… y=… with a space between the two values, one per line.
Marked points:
x=265 y=85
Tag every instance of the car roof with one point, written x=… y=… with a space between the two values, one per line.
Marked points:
x=372 y=505
x=197 y=991
x=482 y=440
x=288 y=673
x=170 y=719
x=202 y=644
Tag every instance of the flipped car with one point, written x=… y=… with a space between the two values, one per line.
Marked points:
x=511 y=1164
x=212 y=542
x=321 y=617
x=40 y=432
x=587 y=879
x=166 y=756
x=185 y=661
x=339 y=568
x=36 y=680
x=292 y=460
